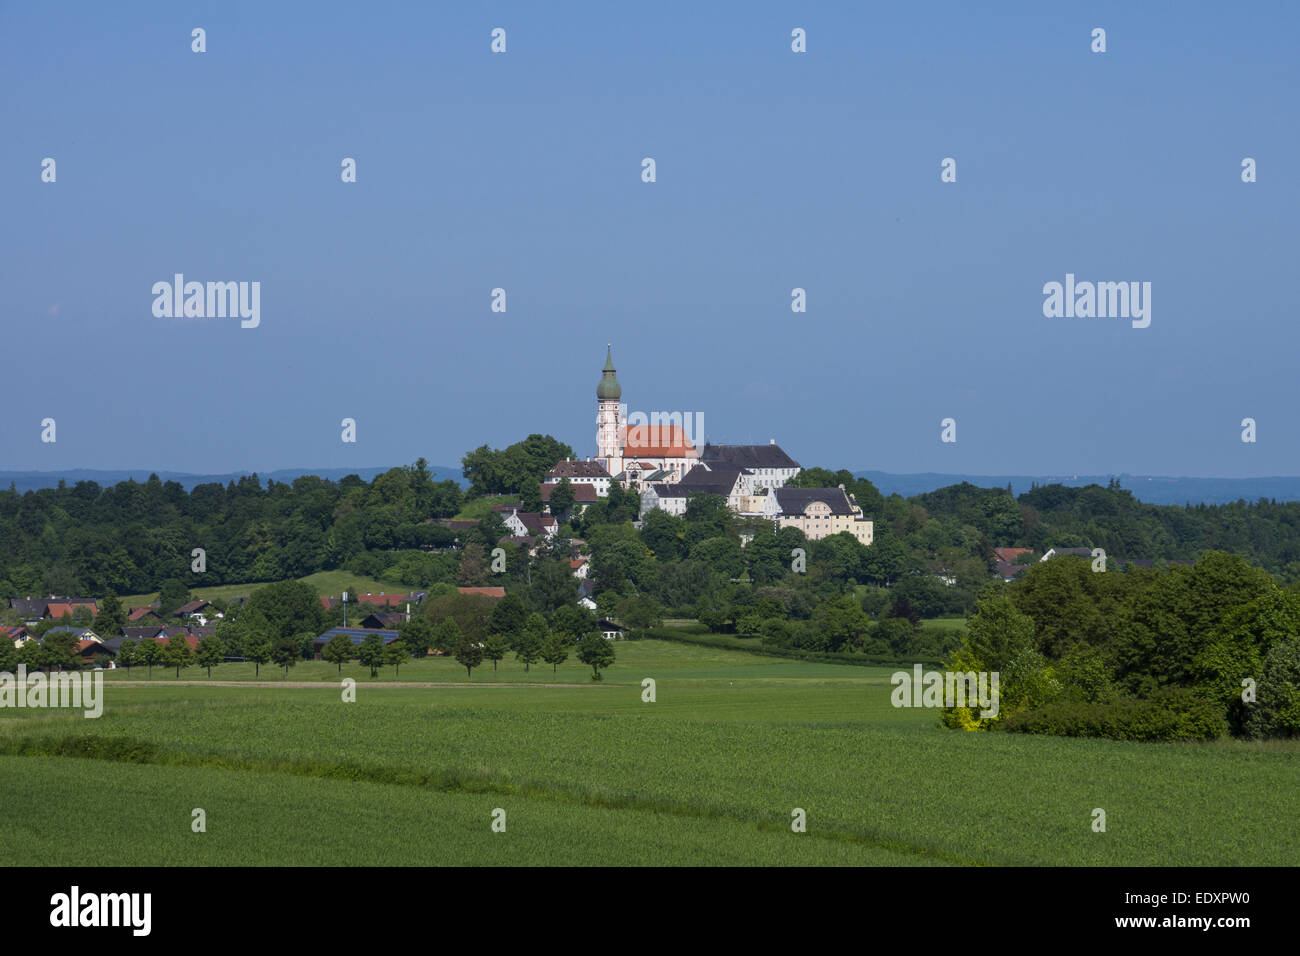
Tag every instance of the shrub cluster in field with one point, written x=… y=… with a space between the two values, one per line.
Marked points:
x=1180 y=653
x=1172 y=714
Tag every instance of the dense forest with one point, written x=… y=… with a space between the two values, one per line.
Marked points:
x=134 y=536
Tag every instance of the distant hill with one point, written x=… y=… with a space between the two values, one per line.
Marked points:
x=1156 y=490
x=1152 y=489
x=32 y=480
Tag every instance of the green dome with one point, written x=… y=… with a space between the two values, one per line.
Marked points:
x=609 y=390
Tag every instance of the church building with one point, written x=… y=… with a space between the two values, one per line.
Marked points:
x=638 y=454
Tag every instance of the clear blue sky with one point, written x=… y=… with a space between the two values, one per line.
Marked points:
x=775 y=170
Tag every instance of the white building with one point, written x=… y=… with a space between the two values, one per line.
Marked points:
x=581 y=473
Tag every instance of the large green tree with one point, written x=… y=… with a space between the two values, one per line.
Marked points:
x=556 y=650
x=469 y=653
x=177 y=653
x=210 y=652
x=289 y=607
x=338 y=650
x=371 y=653
x=528 y=645
x=506 y=470
x=596 y=651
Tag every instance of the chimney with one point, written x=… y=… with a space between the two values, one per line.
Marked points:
x=771 y=441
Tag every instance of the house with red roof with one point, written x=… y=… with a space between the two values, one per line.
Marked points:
x=484 y=592
x=1009 y=555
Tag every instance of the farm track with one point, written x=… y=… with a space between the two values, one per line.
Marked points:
x=335 y=684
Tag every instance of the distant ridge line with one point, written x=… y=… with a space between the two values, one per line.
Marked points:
x=1151 y=489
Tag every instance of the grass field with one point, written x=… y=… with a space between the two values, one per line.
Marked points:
x=478 y=508
x=589 y=773
x=326 y=583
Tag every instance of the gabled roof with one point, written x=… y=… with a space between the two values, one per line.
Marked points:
x=537 y=523
x=65 y=629
x=484 y=592
x=1007 y=570
x=383 y=600
x=36 y=607
x=795 y=501
x=384 y=620
x=658 y=441
x=582 y=494
x=191 y=607
x=29 y=607
x=139 y=612
x=717 y=479
x=578 y=469
x=1010 y=554
x=144 y=632
x=57 y=611
x=749 y=456
x=358 y=634
x=672 y=491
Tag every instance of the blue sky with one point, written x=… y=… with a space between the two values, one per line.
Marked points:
x=775 y=170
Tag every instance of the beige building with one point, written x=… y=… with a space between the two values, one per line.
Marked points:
x=821 y=512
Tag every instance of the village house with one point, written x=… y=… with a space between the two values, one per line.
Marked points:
x=581 y=474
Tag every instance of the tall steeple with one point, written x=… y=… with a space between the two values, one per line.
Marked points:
x=609 y=390
x=609 y=423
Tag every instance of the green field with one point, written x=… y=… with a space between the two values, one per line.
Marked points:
x=476 y=509
x=588 y=773
x=326 y=583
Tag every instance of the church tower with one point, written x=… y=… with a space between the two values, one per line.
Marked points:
x=609 y=426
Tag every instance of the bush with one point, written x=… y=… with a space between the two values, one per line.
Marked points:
x=1174 y=714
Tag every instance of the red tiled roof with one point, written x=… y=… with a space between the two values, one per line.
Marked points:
x=486 y=592
x=57 y=611
x=658 y=441
x=1009 y=554
x=193 y=642
x=139 y=612
x=385 y=600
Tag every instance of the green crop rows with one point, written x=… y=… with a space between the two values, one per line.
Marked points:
x=708 y=773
